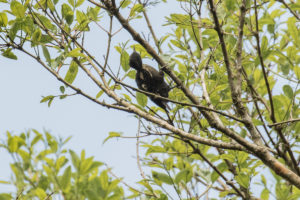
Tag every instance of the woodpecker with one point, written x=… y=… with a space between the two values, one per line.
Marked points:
x=150 y=80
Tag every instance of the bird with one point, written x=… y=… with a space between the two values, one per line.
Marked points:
x=150 y=80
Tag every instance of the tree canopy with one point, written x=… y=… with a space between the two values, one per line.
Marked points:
x=234 y=70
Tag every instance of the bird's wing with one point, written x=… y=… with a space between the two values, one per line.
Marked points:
x=155 y=76
x=140 y=81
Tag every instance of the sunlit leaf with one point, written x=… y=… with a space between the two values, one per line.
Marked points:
x=9 y=54
x=17 y=9
x=125 y=61
x=3 y=19
x=141 y=99
x=72 y=72
x=162 y=177
x=112 y=135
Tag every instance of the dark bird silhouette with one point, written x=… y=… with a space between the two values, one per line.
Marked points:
x=150 y=80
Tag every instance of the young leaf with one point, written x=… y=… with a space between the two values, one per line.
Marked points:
x=288 y=91
x=3 y=19
x=47 y=98
x=75 y=159
x=243 y=180
x=72 y=72
x=9 y=54
x=62 y=89
x=79 y=3
x=124 y=3
x=131 y=74
x=75 y=53
x=112 y=135
x=17 y=9
x=162 y=177
x=40 y=193
x=67 y=13
x=99 y=94
x=66 y=178
x=125 y=61
x=141 y=99
x=137 y=8
x=37 y=35
x=46 y=55
x=185 y=175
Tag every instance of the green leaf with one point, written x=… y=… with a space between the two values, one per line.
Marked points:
x=40 y=193
x=292 y=29
x=104 y=179
x=243 y=180
x=37 y=35
x=93 y=13
x=49 y=99
x=5 y=182
x=46 y=55
x=5 y=196
x=75 y=159
x=60 y=162
x=230 y=4
x=46 y=39
x=75 y=53
x=72 y=2
x=9 y=54
x=288 y=91
x=214 y=176
x=3 y=19
x=24 y=155
x=146 y=185
x=72 y=72
x=67 y=13
x=17 y=9
x=99 y=94
x=50 y=5
x=185 y=175
x=62 y=89
x=127 y=97
x=66 y=178
x=112 y=135
x=154 y=149
x=137 y=8
x=37 y=138
x=14 y=143
x=131 y=74
x=141 y=99
x=79 y=3
x=265 y=194
x=125 y=3
x=162 y=177
x=229 y=157
x=125 y=61
x=297 y=72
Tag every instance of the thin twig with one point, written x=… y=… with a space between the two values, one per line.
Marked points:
x=151 y=29
x=284 y=122
x=287 y=6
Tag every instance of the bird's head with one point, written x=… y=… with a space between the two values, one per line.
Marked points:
x=135 y=61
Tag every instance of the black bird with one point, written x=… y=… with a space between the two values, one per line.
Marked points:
x=149 y=79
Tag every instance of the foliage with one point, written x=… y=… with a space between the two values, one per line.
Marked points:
x=43 y=169
x=234 y=69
